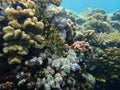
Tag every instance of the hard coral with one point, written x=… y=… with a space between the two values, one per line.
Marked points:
x=107 y=65
x=20 y=36
x=81 y=46
x=116 y=16
x=19 y=13
x=58 y=72
x=98 y=26
x=56 y=2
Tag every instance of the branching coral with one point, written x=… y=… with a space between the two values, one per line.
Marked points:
x=81 y=46
x=111 y=39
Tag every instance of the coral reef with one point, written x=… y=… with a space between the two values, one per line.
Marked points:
x=81 y=46
x=98 y=22
x=17 y=40
x=55 y=2
x=94 y=19
x=52 y=11
x=32 y=46
x=56 y=70
x=76 y=18
x=107 y=67
x=56 y=16
x=98 y=26
x=115 y=25
x=26 y=31
x=89 y=12
x=45 y=47
x=116 y=16
x=102 y=33
x=101 y=40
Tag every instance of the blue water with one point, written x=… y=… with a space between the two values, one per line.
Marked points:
x=109 y=6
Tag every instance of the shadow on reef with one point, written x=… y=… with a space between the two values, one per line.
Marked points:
x=45 y=47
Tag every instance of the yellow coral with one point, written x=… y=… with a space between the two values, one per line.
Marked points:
x=24 y=30
x=5 y=50
x=23 y=1
x=40 y=25
x=32 y=42
x=17 y=33
x=24 y=51
x=8 y=29
x=88 y=32
x=14 y=14
x=8 y=36
x=14 y=24
x=25 y=36
x=28 y=22
x=15 y=60
x=30 y=4
x=34 y=19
